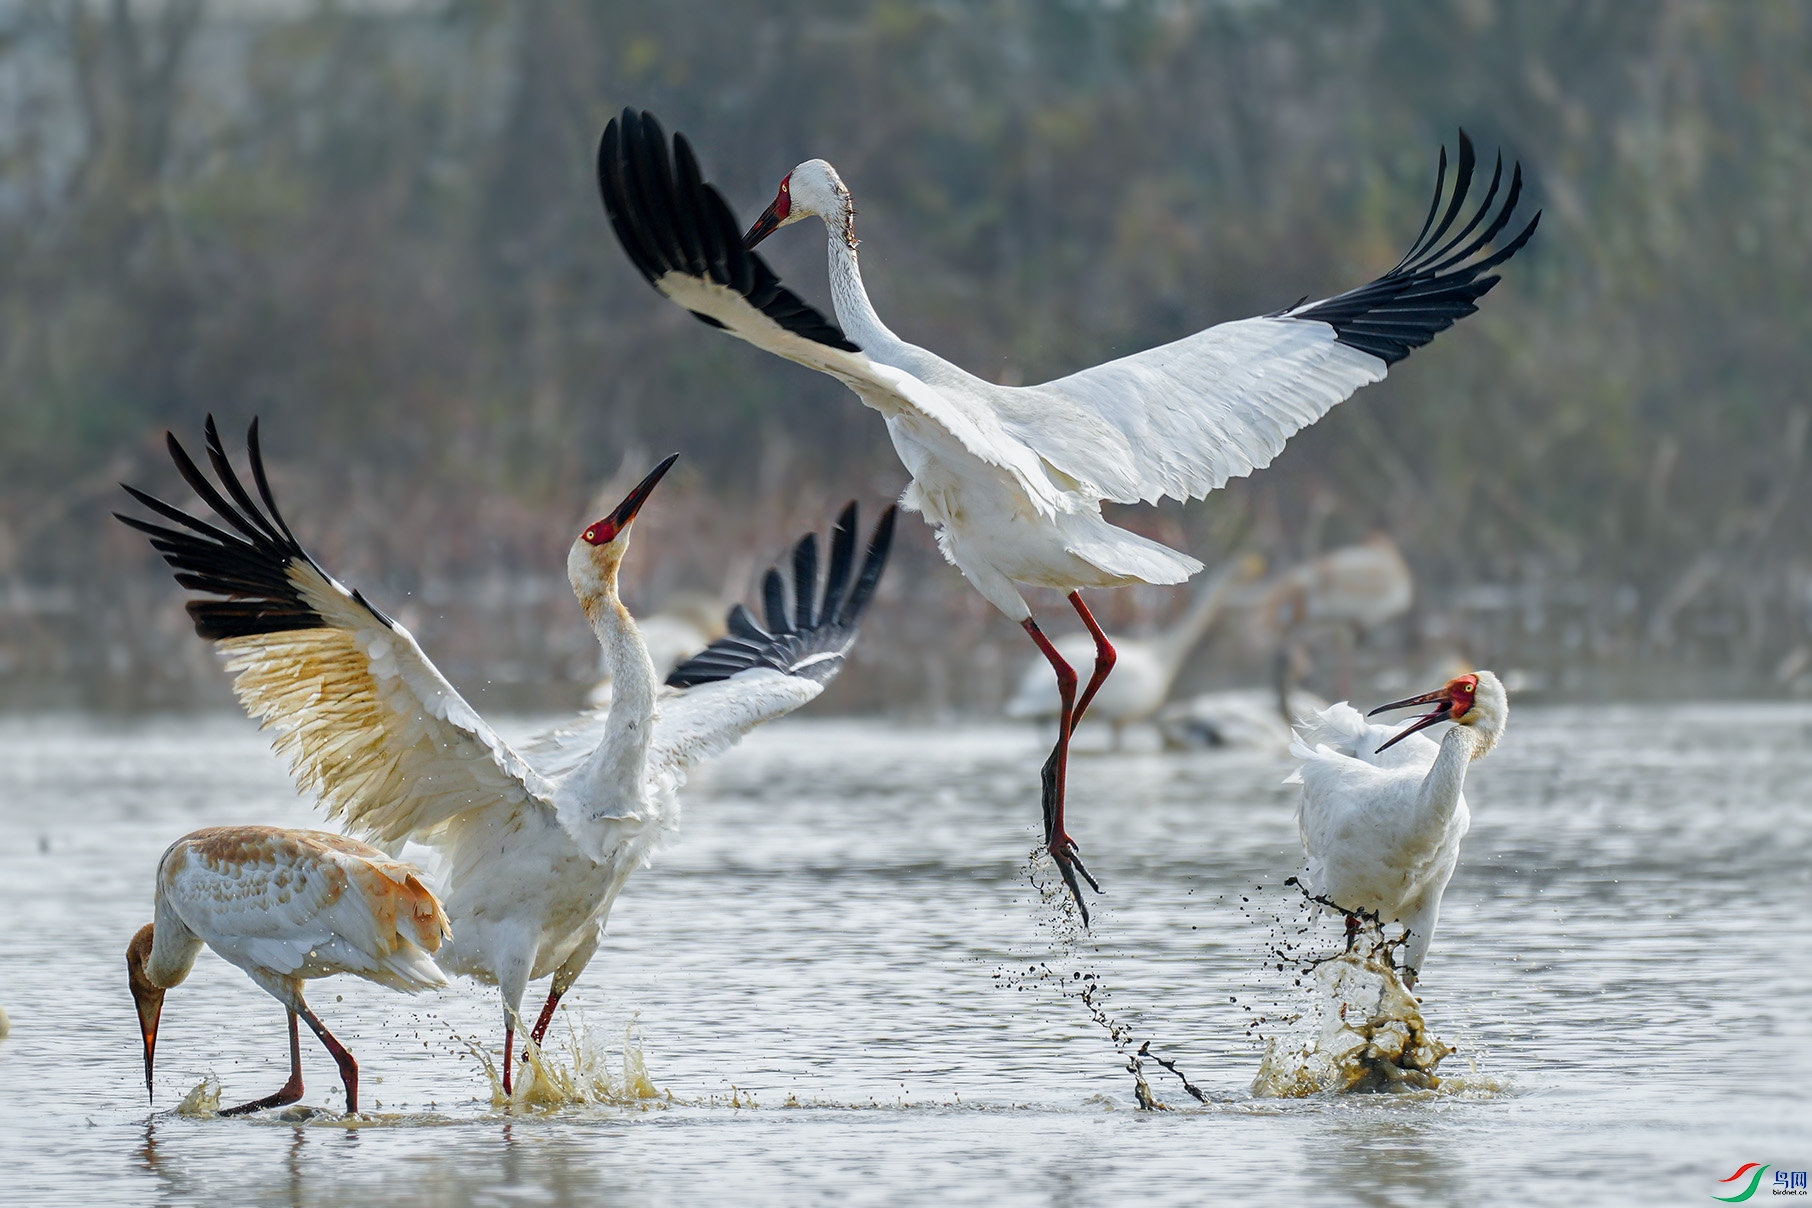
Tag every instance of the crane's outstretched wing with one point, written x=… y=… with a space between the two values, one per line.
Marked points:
x=366 y=721
x=1183 y=418
x=681 y=234
x=755 y=672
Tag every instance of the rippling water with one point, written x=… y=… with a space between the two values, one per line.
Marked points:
x=843 y=977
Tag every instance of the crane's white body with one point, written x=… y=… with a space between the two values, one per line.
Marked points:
x=1143 y=672
x=1013 y=477
x=287 y=906
x=1382 y=830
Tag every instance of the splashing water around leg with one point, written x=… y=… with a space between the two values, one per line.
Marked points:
x=575 y=1073
x=1368 y=1031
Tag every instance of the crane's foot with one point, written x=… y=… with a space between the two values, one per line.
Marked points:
x=1063 y=850
x=290 y=1092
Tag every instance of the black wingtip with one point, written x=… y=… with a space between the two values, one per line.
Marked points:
x=668 y=219
x=247 y=567
x=1441 y=278
x=800 y=640
x=880 y=544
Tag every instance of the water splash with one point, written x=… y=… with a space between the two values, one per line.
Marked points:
x=1060 y=917
x=202 y=1101
x=574 y=1072
x=1369 y=1034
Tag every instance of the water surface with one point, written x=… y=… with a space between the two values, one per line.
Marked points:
x=829 y=970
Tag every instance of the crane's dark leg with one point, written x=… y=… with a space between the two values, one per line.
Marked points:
x=1056 y=769
x=509 y=1066
x=349 y=1069
x=290 y=1091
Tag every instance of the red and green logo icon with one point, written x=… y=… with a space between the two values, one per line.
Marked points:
x=1753 y=1171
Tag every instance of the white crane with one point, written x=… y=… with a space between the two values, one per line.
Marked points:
x=1145 y=667
x=1383 y=812
x=1347 y=590
x=1013 y=478
x=538 y=842
x=285 y=906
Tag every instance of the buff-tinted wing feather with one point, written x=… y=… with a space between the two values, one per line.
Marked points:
x=365 y=719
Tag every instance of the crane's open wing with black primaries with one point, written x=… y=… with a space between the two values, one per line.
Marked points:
x=809 y=634
x=755 y=673
x=364 y=718
x=1183 y=418
x=680 y=232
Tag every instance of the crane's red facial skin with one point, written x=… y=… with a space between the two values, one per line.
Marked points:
x=1452 y=702
x=1460 y=691
x=606 y=530
x=773 y=216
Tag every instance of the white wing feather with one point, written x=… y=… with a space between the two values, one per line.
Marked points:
x=706 y=721
x=1181 y=419
x=889 y=390
x=690 y=726
x=369 y=723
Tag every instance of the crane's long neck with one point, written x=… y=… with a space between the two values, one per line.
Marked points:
x=855 y=313
x=613 y=775
x=1440 y=793
x=173 y=946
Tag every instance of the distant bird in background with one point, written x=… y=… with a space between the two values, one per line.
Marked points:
x=1347 y=591
x=1233 y=719
x=1145 y=667
x=285 y=906
x=1383 y=810
x=537 y=843
x=1013 y=478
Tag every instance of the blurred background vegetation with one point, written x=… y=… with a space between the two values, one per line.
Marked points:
x=374 y=225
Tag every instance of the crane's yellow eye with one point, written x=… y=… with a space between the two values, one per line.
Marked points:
x=591 y=534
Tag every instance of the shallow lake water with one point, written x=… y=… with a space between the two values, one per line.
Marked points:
x=849 y=989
